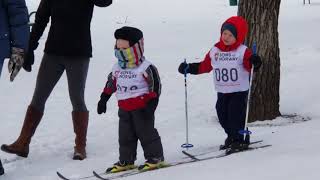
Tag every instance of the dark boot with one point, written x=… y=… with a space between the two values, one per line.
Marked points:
x=1 y=169
x=226 y=144
x=237 y=146
x=21 y=146
x=80 y=126
x=247 y=139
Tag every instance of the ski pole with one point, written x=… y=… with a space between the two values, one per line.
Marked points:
x=245 y=131
x=187 y=144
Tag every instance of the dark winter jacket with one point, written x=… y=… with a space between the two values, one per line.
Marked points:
x=14 y=30
x=69 y=33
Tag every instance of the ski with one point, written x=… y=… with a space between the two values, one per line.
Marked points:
x=194 y=156
x=112 y=175
x=104 y=176
x=124 y=173
x=224 y=154
x=98 y=176
x=79 y=178
x=62 y=177
x=190 y=155
x=135 y=171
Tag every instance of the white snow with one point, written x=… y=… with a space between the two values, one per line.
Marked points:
x=175 y=30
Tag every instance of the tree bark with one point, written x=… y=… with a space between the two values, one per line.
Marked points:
x=262 y=17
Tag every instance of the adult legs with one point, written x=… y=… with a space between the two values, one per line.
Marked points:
x=49 y=73
x=77 y=70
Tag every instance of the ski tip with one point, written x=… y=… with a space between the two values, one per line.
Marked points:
x=190 y=155
x=61 y=176
x=97 y=175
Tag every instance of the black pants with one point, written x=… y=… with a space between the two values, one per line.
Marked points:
x=139 y=125
x=1 y=168
x=51 y=70
x=231 y=110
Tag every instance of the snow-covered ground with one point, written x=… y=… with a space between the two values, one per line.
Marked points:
x=175 y=30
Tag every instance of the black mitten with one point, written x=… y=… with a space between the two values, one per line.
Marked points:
x=184 y=68
x=102 y=104
x=255 y=60
x=29 y=60
x=29 y=56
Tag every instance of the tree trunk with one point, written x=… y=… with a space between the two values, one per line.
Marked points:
x=262 y=17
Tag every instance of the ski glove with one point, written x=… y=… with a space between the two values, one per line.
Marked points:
x=255 y=60
x=29 y=60
x=184 y=68
x=102 y=107
x=102 y=104
x=16 y=61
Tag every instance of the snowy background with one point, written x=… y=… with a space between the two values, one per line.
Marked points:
x=175 y=30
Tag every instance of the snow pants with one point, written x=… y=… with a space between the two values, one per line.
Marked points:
x=139 y=125
x=1 y=168
x=231 y=110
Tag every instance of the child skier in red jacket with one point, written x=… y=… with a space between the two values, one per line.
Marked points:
x=231 y=62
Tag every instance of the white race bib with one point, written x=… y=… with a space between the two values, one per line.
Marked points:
x=228 y=71
x=130 y=82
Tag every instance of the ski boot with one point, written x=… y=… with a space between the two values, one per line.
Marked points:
x=121 y=166
x=152 y=164
x=226 y=144
x=237 y=146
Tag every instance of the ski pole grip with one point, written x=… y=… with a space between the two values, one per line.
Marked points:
x=187 y=145
x=185 y=69
x=254 y=48
x=245 y=132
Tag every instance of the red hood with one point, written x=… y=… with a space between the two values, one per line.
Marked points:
x=242 y=29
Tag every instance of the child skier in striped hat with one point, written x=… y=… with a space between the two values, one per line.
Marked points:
x=137 y=85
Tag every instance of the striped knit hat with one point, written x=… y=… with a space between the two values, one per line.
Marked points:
x=132 y=56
